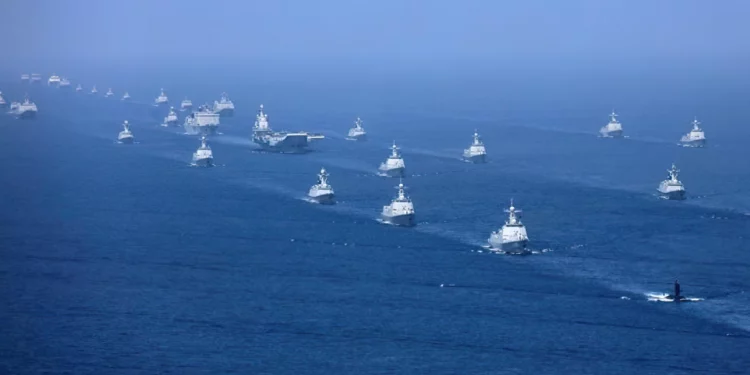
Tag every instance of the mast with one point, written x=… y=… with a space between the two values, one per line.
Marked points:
x=401 y=188
x=323 y=177
x=696 y=124
x=394 y=151
x=476 y=138
x=358 y=123
x=613 y=116
x=512 y=215
x=673 y=172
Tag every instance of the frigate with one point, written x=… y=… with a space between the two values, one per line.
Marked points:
x=79 y=88
x=203 y=156
x=401 y=210
x=125 y=136
x=3 y=103
x=613 y=129
x=696 y=137
x=357 y=133
x=322 y=192
x=125 y=96
x=512 y=237
x=171 y=118
x=162 y=99
x=36 y=77
x=224 y=107
x=672 y=188
x=94 y=90
x=476 y=152
x=393 y=166
x=109 y=93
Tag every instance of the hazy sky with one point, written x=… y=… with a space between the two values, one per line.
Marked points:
x=390 y=32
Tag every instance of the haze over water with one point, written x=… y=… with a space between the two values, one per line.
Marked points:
x=120 y=259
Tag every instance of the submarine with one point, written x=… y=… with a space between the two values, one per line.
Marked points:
x=676 y=297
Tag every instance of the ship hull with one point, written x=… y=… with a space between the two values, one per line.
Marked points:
x=400 y=220
x=676 y=195
x=395 y=172
x=205 y=162
x=289 y=145
x=696 y=143
x=226 y=113
x=126 y=141
x=476 y=159
x=612 y=134
x=323 y=198
x=357 y=138
x=515 y=247
x=209 y=129
x=27 y=115
x=173 y=123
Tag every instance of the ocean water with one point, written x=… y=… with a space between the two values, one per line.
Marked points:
x=123 y=259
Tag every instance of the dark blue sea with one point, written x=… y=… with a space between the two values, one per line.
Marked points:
x=123 y=259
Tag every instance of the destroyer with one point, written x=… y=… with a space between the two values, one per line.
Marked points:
x=125 y=96
x=79 y=88
x=203 y=156
x=613 y=129
x=64 y=83
x=672 y=188
x=476 y=152
x=125 y=136
x=393 y=166
x=53 y=80
x=357 y=133
x=283 y=142
x=186 y=105
x=109 y=93
x=512 y=237
x=171 y=118
x=161 y=99
x=401 y=210
x=322 y=192
x=204 y=121
x=94 y=90
x=224 y=107
x=696 y=137
x=26 y=109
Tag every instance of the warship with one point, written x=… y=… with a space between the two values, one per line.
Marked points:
x=224 y=107
x=273 y=141
x=672 y=188
x=14 y=107
x=125 y=96
x=203 y=121
x=3 y=103
x=36 y=77
x=25 y=78
x=186 y=105
x=94 y=90
x=161 y=99
x=53 y=80
x=26 y=109
x=676 y=297
x=613 y=129
x=512 y=237
x=109 y=93
x=171 y=118
x=203 y=156
x=125 y=136
x=357 y=133
x=696 y=137
x=393 y=166
x=401 y=210
x=79 y=88
x=64 y=83
x=322 y=192
x=476 y=152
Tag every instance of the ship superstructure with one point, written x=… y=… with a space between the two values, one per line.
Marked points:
x=25 y=110
x=125 y=136
x=613 y=129
x=283 y=142
x=401 y=210
x=203 y=156
x=394 y=166
x=171 y=118
x=204 y=121
x=53 y=80
x=512 y=237
x=672 y=188
x=162 y=99
x=322 y=192
x=224 y=107
x=357 y=133
x=186 y=105
x=696 y=137
x=476 y=153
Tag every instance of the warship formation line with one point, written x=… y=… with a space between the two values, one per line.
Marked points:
x=511 y=238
